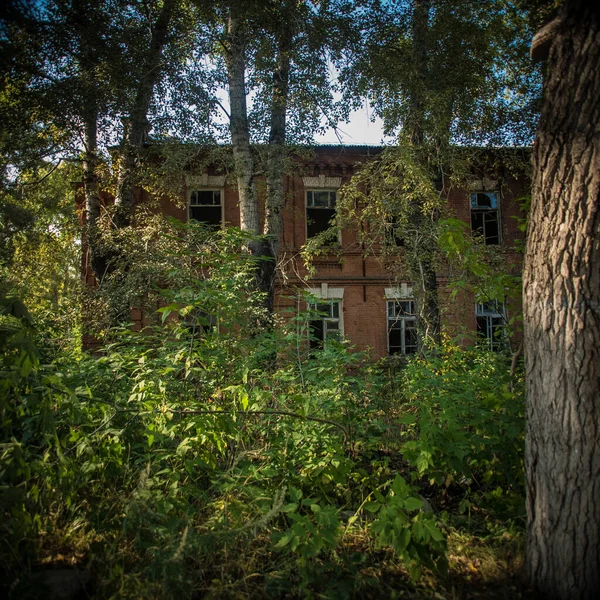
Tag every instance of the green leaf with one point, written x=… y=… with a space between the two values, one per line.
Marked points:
x=413 y=503
x=435 y=533
x=372 y=507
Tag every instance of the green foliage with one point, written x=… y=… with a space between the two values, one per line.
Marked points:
x=464 y=420
x=204 y=441
x=413 y=535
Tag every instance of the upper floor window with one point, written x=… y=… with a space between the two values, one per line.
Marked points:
x=320 y=211
x=485 y=218
x=490 y=324
x=402 y=327
x=326 y=325
x=206 y=206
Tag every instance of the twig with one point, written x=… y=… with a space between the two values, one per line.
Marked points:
x=284 y=413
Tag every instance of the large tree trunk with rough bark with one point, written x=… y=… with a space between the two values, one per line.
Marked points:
x=562 y=319
x=136 y=126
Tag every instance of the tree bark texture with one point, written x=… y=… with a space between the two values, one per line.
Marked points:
x=562 y=319
x=276 y=166
x=420 y=27
x=422 y=262
x=89 y=43
x=240 y=132
x=91 y=189
x=136 y=127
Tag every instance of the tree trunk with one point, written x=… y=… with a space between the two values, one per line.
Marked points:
x=562 y=319
x=240 y=132
x=420 y=26
x=136 y=127
x=422 y=262
x=276 y=167
x=89 y=42
x=92 y=192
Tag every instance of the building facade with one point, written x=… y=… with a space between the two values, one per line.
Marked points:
x=357 y=295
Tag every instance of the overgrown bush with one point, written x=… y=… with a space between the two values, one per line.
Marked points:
x=204 y=457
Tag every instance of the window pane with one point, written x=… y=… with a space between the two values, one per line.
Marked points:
x=316 y=334
x=320 y=199
x=318 y=220
x=484 y=200
x=491 y=227
x=205 y=198
x=405 y=308
x=477 y=223
x=210 y=215
x=323 y=308
x=410 y=340
x=395 y=340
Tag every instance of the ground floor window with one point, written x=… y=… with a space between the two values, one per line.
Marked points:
x=325 y=323
x=402 y=327
x=206 y=207
x=490 y=324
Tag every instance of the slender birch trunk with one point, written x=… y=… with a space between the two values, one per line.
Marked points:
x=240 y=132
x=422 y=261
x=276 y=167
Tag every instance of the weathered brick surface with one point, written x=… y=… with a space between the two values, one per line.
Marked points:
x=363 y=278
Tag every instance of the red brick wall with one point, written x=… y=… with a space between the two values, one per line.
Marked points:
x=364 y=279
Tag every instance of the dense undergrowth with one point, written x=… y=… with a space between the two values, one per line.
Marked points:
x=204 y=457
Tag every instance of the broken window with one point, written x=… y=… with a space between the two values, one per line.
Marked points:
x=320 y=211
x=206 y=207
x=327 y=325
x=485 y=221
x=402 y=327
x=490 y=324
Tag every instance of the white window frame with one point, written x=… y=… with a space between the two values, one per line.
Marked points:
x=494 y=208
x=307 y=207
x=326 y=319
x=403 y=321
x=494 y=314
x=402 y=293
x=221 y=192
x=328 y=295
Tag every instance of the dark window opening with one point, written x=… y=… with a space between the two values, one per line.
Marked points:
x=206 y=207
x=402 y=327
x=394 y=234
x=485 y=220
x=326 y=326
x=320 y=211
x=491 y=325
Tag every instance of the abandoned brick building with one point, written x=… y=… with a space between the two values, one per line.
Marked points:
x=359 y=298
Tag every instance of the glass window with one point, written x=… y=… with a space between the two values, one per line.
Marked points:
x=490 y=324
x=326 y=325
x=485 y=220
x=402 y=327
x=206 y=207
x=320 y=211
